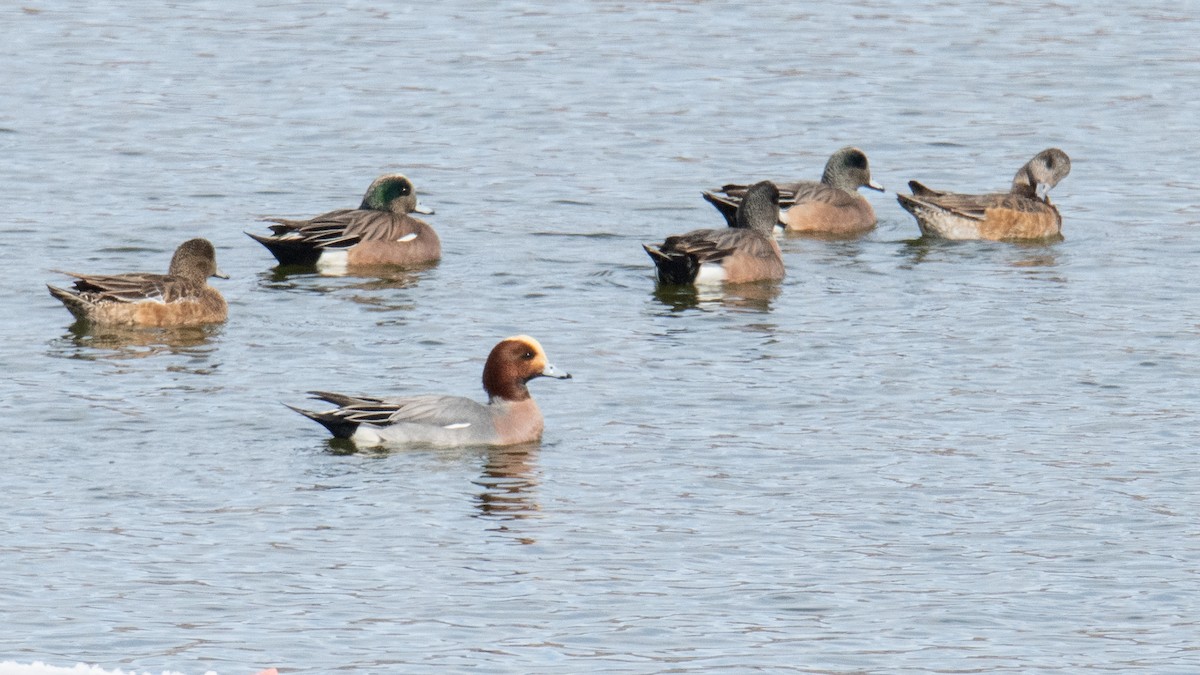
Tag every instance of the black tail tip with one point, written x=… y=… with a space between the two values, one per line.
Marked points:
x=338 y=426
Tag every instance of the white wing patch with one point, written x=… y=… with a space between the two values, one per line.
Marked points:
x=407 y=237
x=457 y=425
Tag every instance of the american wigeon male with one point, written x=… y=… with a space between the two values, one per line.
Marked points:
x=832 y=206
x=181 y=297
x=380 y=231
x=510 y=416
x=745 y=252
x=1024 y=212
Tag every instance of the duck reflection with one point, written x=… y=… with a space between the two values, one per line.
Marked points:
x=509 y=481
x=1021 y=255
x=91 y=341
x=374 y=277
x=800 y=236
x=363 y=289
x=755 y=297
x=1041 y=258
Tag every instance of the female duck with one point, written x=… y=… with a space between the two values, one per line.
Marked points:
x=379 y=232
x=181 y=297
x=1024 y=212
x=510 y=416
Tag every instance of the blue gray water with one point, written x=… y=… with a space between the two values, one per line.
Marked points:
x=909 y=457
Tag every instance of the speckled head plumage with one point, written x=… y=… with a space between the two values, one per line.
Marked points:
x=848 y=169
x=394 y=193
x=759 y=210
x=195 y=260
x=1041 y=174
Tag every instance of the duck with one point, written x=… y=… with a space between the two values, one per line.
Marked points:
x=181 y=297
x=1022 y=213
x=381 y=231
x=509 y=417
x=832 y=206
x=745 y=252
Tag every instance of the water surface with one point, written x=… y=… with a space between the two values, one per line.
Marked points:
x=908 y=457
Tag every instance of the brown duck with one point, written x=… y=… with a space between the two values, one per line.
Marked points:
x=380 y=231
x=742 y=253
x=1024 y=212
x=181 y=297
x=832 y=206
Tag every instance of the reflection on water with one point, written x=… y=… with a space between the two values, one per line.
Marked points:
x=375 y=280
x=1047 y=259
x=85 y=340
x=284 y=273
x=755 y=297
x=345 y=446
x=377 y=277
x=932 y=249
x=509 y=481
x=508 y=478
x=823 y=236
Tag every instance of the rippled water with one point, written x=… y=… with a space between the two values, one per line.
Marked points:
x=908 y=457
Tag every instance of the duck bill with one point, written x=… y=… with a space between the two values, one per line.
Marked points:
x=421 y=208
x=1043 y=192
x=875 y=186
x=220 y=275
x=551 y=371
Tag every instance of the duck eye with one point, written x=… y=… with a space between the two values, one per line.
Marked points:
x=528 y=356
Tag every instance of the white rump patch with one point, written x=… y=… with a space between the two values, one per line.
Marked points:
x=366 y=435
x=710 y=273
x=457 y=425
x=334 y=261
x=407 y=237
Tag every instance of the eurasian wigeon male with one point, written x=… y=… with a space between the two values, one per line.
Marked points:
x=181 y=297
x=745 y=252
x=510 y=416
x=1024 y=212
x=379 y=232
x=831 y=206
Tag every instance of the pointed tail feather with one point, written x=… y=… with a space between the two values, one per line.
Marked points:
x=289 y=250
x=673 y=268
x=78 y=306
x=339 y=400
x=338 y=426
x=912 y=204
x=920 y=190
x=725 y=205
